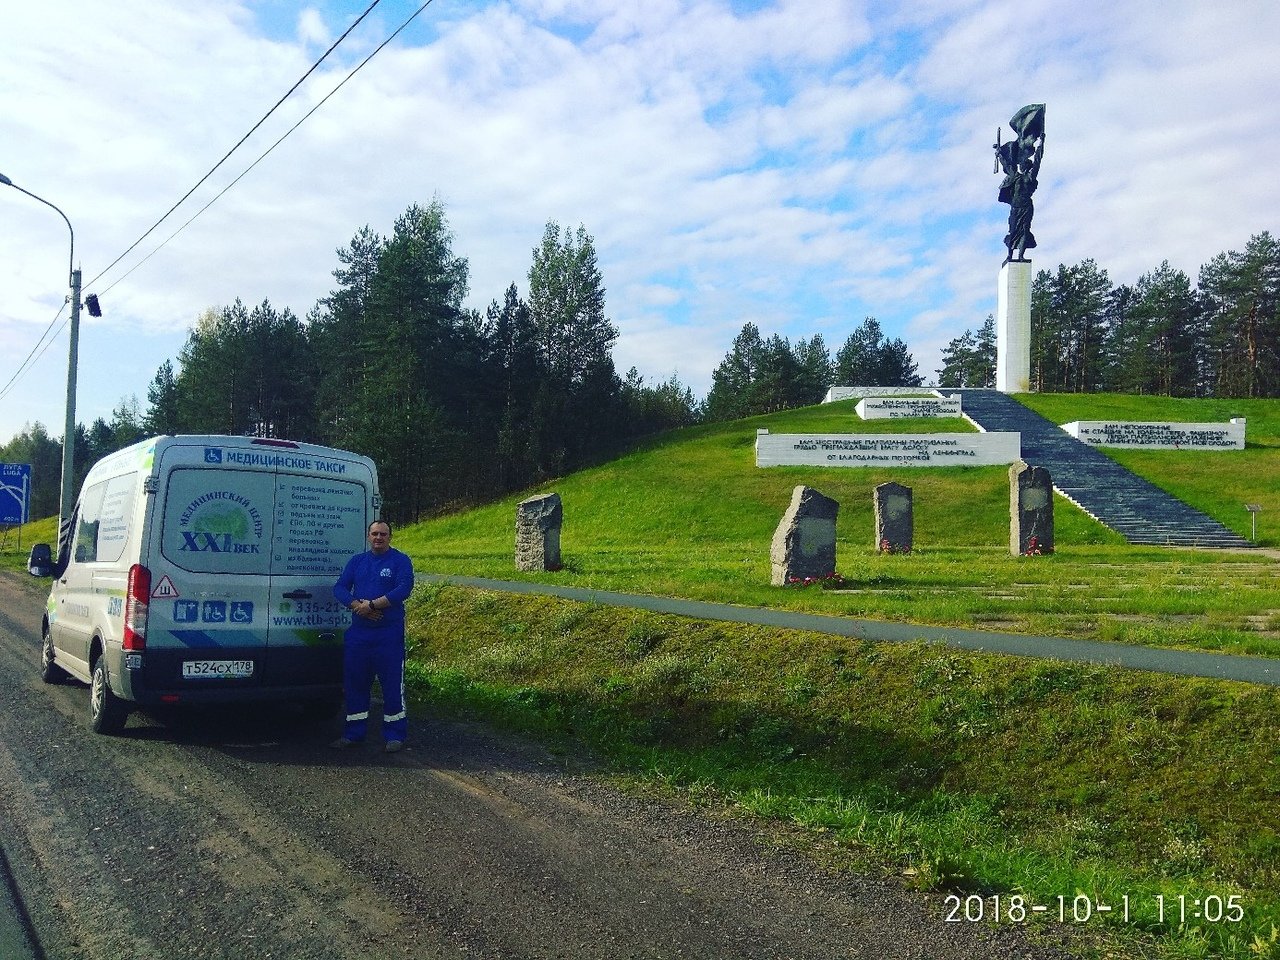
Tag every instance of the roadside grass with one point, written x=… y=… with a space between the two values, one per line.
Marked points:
x=690 y=515
x=959 y=773
x=14 y=556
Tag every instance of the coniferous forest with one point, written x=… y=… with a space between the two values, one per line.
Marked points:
x=458 y=406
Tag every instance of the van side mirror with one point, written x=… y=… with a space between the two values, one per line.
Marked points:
x=40 y=562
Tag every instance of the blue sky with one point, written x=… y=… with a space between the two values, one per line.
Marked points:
x=798 y=164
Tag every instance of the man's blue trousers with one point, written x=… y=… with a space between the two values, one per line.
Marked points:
x=367 y=654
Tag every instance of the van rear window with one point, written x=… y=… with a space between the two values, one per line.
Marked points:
x=252 y=522
x=219 y=521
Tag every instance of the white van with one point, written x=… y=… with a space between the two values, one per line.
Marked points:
x=199 y=569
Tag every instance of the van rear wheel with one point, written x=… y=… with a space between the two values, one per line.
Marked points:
x=107 y=712
x=50 y=672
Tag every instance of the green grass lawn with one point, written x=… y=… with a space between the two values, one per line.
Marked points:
x=958 y=773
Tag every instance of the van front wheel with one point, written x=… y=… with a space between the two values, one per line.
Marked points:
x=50 y=672
x=107 y=712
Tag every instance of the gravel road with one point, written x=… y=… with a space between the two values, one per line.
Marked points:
x=239 y=834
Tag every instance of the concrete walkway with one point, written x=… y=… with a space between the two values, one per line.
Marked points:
x=1221 y=666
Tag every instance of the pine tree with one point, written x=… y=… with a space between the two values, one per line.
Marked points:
x=581 y=399
x=515 y=370
x=337 y=330
x=1241 y=298
x=867 y=359
x=856 y=360
x=734 y=381
x=413 y=414
x=813 y=370
x=957 y=361
x=162 y=399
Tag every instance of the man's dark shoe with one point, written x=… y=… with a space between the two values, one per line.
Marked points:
x=343 y=742
x=394 y=746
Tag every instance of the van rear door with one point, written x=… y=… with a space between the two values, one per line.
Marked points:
x=320 y=522
x=251 y=542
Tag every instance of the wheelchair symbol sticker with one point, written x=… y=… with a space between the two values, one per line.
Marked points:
x=241 y=611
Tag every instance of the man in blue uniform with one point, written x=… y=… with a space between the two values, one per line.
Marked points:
x=374 y=586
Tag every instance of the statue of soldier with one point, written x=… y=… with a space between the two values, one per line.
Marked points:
x=1020 y=159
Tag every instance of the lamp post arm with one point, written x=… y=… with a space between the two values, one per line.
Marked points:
x=72 y=262
x=67 y=502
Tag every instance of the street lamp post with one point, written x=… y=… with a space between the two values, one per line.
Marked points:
x=66 y=501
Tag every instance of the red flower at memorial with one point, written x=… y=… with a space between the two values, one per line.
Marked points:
x=832 y=581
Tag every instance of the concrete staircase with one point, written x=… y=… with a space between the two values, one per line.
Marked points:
x=1135 y=508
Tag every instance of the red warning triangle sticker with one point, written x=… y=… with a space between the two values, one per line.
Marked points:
x=165 y=589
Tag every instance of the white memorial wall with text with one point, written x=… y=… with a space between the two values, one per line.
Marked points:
x=1159 y=436
x=887 y=449
x=894 y=408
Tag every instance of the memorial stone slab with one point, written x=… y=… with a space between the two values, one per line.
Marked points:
x=804 y=545
x=1030 y=510
x=836 y=394
x=538 y=522
x=1159 y=436
x=894 y=520
x=894 y=408
x=886 y=449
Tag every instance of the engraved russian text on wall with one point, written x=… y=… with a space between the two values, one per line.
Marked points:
x=887 y=450
x=1159 y=436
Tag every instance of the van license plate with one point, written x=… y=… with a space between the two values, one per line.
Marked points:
x=216 y=669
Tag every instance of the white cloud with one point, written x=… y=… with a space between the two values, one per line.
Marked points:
x=312 y=30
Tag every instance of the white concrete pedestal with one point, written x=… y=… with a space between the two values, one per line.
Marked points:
x=1013 y=328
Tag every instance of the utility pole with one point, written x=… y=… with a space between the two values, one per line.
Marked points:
x=67 y=500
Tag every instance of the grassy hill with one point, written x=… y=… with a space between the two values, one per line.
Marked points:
x=1220 y=484
x=690 y=515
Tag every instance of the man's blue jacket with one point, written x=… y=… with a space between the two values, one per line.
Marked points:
x=368 y=576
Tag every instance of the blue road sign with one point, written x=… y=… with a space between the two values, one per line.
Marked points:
x=15 y=493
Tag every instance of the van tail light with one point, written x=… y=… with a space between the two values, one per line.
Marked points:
x=137 y=596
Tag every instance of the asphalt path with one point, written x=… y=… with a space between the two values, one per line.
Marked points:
x=1220 y=666
x=240 y=834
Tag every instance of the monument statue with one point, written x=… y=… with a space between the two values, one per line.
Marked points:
x=1020 y=159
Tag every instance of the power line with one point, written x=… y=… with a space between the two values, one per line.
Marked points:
x=33 y=356
x=271 y=148
x=240 y=142
x=45 y=340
